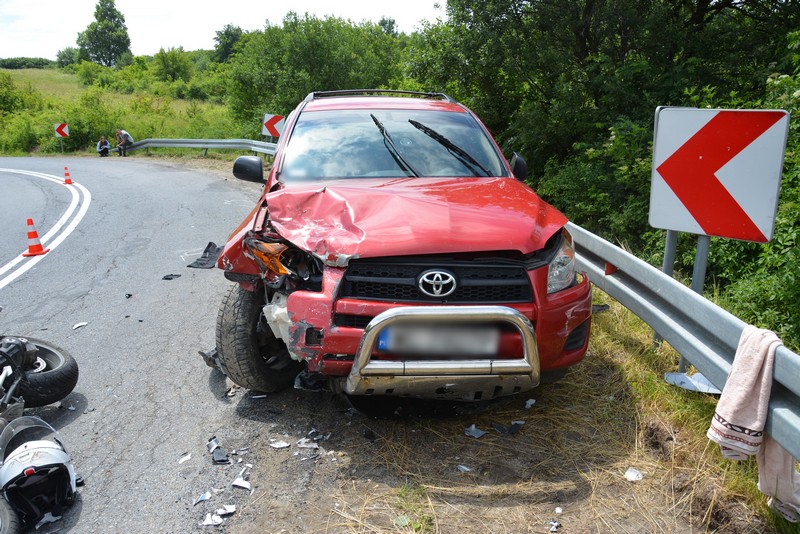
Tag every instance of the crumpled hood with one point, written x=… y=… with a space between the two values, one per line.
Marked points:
x=343 y=219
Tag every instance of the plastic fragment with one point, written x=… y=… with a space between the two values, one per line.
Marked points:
x=185 y=458
x=241 y=480
x=232 y=391
x=212 y=520
x=473 y=431
x=220 y=457
x=529 y=403
x=128 y=295
x=554 y=526
x=279 y=445
x=204 y=497
x=47 y=518
x=217 y=491
x=305 y=443
x=559 y=510
x=633 y=475
x=227 y=509
x=212 y=444
x=89 y=410
x=170 y=276
x=79 y=325
x=258 y=396
x=507 y=430
x=464 y=468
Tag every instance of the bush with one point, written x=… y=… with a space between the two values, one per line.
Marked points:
x=26 y=63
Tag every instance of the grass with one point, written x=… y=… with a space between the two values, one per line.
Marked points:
x=612 y=412
x=52 y=83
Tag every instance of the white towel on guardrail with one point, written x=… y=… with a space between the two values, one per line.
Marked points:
x=738 y=423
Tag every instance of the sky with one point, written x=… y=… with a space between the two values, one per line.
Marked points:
x=41 y=28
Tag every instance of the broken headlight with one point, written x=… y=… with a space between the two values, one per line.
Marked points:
x=279 y=259
x=561 y=269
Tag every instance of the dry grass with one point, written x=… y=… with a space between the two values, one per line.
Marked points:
x=607 y=415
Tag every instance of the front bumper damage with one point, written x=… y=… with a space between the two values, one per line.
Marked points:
x=463 y=379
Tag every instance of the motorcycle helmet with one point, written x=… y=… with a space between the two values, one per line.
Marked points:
x=36 y=475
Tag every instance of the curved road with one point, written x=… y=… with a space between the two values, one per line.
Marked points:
x=144 y=397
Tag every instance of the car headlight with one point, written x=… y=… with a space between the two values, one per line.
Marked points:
x=561 y=269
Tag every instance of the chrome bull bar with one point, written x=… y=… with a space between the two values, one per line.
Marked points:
x=462 y=379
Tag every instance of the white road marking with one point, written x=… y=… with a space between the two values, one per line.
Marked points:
x=58 y=233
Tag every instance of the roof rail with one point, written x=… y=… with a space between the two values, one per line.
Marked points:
x=363 y=92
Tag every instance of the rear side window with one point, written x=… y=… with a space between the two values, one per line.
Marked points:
x=350 y=144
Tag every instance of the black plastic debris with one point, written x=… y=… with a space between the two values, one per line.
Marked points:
x=170 y=276
x=308 y=382
x=220 y=457
x=128 y=295
x=211 y=358
x=599 y=308
x=513 y=428
x=209 y=257
x=473 y=431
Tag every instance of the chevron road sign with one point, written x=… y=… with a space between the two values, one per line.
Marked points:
x=718 y=172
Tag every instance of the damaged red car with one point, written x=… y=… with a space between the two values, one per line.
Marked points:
x=395 y=251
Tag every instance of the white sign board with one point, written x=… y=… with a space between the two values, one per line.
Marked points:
x=718 y=172
x=272 y=125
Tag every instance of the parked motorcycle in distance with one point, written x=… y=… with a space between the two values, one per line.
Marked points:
x=37 y=479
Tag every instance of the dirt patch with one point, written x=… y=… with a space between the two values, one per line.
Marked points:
x=415 y=470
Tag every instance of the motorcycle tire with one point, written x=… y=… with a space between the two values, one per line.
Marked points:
x=248 y=350
x=9 y=520
x=54 y=377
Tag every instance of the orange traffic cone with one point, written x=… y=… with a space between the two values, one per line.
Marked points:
x=67 y=179
x=34 y=245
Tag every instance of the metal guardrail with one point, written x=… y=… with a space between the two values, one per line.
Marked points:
x=205 y=144
x=702 y=332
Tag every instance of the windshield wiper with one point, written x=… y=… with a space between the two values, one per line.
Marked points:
x=460 y=154
x=390 y=146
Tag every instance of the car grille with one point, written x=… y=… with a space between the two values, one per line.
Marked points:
x=396 y=281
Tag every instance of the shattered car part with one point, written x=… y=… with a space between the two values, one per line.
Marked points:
x=212 y=444
x=211 y=520
x=202 y=497
x=474 y=432
x=227 y=509
x=633 y=475
x=208 y=259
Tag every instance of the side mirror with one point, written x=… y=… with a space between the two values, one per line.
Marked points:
x=518 y=166
x=249 y=168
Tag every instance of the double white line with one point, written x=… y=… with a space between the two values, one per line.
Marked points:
x=81 y=198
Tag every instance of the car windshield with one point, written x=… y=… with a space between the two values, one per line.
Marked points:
x=388 y=143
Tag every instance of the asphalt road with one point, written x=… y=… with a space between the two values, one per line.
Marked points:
x=144 y=398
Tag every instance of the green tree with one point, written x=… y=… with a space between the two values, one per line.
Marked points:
x=278 y=67
x=67 y=56
x=226 y=40
x=105 y=39
x=172 y=65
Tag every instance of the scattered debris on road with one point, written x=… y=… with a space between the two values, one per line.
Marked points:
x=79 y=325
x=209 y=257
x=473 y=431
x=170 y=276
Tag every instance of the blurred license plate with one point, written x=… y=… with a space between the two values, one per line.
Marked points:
x=440 y=340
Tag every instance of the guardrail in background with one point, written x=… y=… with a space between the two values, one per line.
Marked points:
x=702 y=332
x=231 y=144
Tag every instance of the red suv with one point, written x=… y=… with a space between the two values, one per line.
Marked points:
x=394 y=251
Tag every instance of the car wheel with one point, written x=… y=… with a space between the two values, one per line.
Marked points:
x=248 y=350
x=52 y=377
x=9 y=520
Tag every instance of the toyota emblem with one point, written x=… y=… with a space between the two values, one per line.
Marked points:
x=437 y=283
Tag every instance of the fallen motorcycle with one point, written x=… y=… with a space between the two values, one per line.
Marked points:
x=37 y=478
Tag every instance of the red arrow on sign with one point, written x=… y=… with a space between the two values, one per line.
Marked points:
x=271 y=125
x=62 y=130
x=705 y=153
